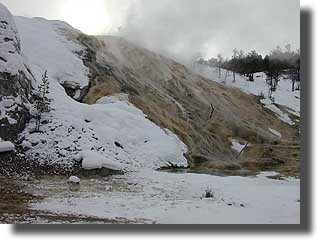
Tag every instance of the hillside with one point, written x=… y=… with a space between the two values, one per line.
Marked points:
x=176 y=98
x=128 y=122
x=169 y=94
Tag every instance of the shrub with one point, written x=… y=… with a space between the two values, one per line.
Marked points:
x=209 y=193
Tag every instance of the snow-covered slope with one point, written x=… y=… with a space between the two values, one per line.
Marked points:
x=116 y=130
x=283 y=95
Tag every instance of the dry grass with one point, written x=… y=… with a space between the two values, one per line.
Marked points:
x=237 y=115
x=165 y=115
x=107 y=88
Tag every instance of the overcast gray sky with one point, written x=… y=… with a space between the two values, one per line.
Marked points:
x=180 y=28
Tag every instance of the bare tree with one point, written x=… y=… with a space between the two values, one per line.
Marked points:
x=220 y=62
x=234 y=61
x=212 y=111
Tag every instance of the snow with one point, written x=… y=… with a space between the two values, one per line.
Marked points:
x=48 y=50
x=114 y=98
x=11 y=60
x=74 y=127
x=6 y=146
x=283 y=95
x=7 y=105
x=278 y=113
x=236 y=145
x=93 y=160
x=169 y=198
x=276 y=133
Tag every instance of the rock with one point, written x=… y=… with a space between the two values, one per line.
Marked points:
x=73 y=180
x=118 y=145
x=26 y=144
x=93 y=160
x=15 y=79
x=6 y=146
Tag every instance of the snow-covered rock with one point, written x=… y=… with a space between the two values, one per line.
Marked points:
x=92 y=160
x=15 y=85
x=6 y=146
x=73 y=180
x=11 y=59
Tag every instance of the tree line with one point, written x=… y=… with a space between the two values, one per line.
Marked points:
x=278 y=62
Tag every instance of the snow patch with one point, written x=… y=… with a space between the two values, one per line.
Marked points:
x=278 y=113
x=236 y=145
x=276 y=133
x=114 y=98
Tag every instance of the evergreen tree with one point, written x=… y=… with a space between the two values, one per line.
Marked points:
x=42 y=102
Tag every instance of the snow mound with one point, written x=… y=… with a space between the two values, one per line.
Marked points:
x=93 y=160
x=6 y=146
